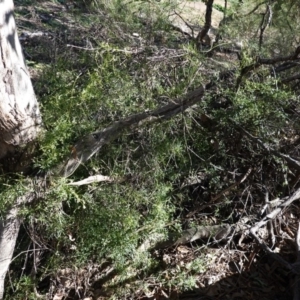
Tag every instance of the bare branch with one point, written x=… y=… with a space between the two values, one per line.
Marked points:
x=267 y=61
x=92 y=143
x=265 y=22
x=286 y=66
x=276 y=211
x=255 y=8
x=293 y=162
x=222 y=194
x=291 y=78
x=177 y=28
x=92 y=179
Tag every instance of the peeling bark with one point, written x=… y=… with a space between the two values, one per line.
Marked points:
x=20 y=123
x=19 y=112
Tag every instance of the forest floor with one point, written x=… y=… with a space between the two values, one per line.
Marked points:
x=244 y=272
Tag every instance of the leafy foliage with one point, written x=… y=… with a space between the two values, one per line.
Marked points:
x=128 y=71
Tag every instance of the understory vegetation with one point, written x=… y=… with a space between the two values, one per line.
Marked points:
x=96 y=62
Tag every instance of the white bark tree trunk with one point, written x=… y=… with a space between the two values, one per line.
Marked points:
x=19 y=112
x=9 y=229
x=20 y=123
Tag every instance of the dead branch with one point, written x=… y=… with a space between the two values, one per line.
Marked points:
x=255 y=8
x=89 y=145
x=9 y=228
x=293 y=162
x=216 y=232
x=291 y=78
x=270 y=225
x=268 y=218
x=265 y=22
x=222 y=194
x=266 y=61
x=286 y=66
x=295 y=267
x=270 y=252
x=276 y=211
x=176 y=28
x=92 y=179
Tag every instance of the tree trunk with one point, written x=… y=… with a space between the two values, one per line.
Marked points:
x=207 y=25
x=20 y=123
x=19 y=112
x=9 y=229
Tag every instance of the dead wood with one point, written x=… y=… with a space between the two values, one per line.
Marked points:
x=222 y=194
x=291 y=161
x=269 y=218
x=265 y=22
x=276 y=211
x=268 y=61
x=89 y=145
x=216 y=232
